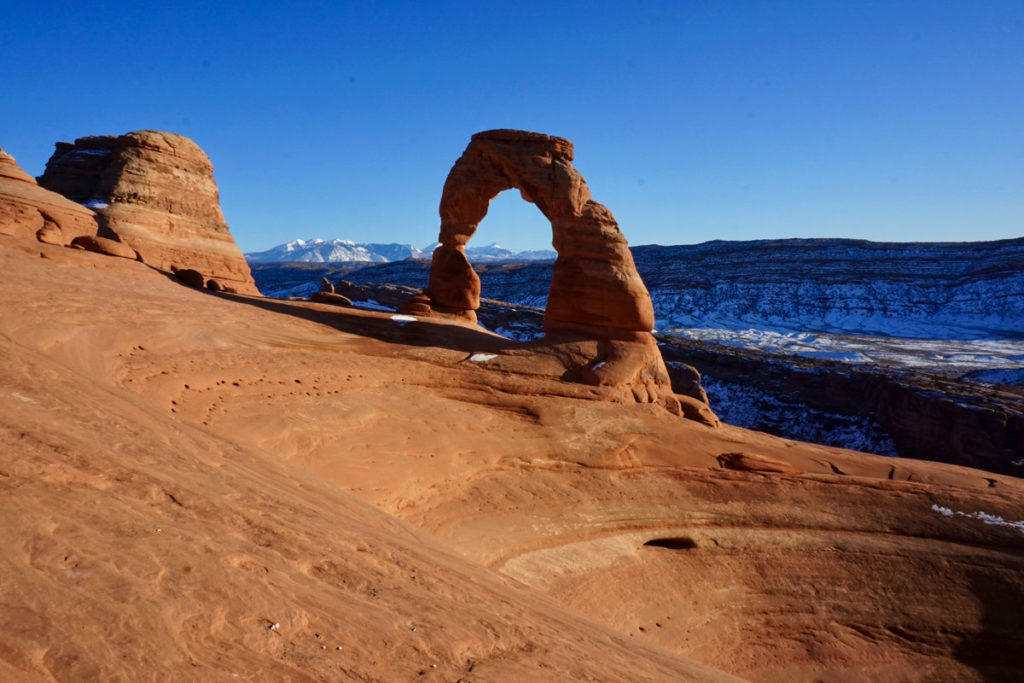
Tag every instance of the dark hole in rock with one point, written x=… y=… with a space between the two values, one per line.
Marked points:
x=671 y=543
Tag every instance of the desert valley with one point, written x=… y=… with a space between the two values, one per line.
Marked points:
x=200 y=482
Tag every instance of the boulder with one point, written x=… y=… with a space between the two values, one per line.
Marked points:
x=331 y=298
x=686 y=381
x=32 y=212
x=155 y=192
x=104 y=245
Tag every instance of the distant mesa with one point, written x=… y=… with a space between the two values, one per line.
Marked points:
x=596 y=292
x=32 y=212
x=155 y=192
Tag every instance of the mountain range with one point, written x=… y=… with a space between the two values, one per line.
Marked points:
x=317 y=250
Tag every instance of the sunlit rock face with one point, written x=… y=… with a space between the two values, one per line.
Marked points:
x=31 y=212
x=154 y=191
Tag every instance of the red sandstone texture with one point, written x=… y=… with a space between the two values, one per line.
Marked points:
x=31 y=212
x=155 y=192
x=596 y=291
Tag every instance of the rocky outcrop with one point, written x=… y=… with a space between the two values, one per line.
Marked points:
x=155 y=192
x=596 y=292
x=31 y=212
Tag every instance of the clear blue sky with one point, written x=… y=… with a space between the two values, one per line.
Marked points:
x=692 y=120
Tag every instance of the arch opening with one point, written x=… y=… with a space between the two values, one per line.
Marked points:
x=513 y=224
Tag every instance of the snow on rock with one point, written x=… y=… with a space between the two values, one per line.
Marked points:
x=371 y=305
x=752 y=408
x=995 y=520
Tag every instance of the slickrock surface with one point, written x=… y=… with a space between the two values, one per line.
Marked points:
x=155 y=191
x=596 y=292
x=189 y=482
x=31 y=212
x=139 y=540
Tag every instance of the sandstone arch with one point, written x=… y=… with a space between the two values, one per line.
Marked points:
x=599 y=315
x=595 y=287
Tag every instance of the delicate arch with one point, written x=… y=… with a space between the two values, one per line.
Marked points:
x=595 y=287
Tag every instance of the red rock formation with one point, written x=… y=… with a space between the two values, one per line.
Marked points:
x=29 y=211
x=596 y=292
x=155 y=191
x=595 y=285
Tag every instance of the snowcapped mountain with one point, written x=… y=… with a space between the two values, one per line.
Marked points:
x=496 y=252
x=318 y=250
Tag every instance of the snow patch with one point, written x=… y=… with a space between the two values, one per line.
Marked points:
x=371 y=305
x=403 y=319
x=985 y=517
x=482 y=357
x=90 y=153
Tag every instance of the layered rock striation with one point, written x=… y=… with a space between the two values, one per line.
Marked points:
x=32 y=212
x=596 y=292
x=155 y=192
